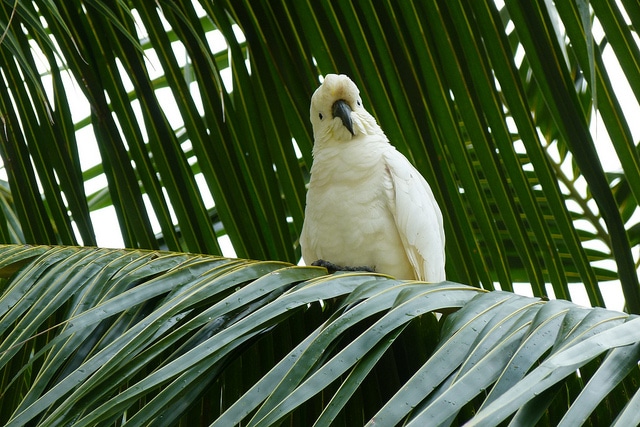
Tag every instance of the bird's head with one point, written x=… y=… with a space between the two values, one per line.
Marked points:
x=337 y=112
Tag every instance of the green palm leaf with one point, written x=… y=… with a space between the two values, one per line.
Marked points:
x=97 y=336
x=197 y=117
x=480 y=123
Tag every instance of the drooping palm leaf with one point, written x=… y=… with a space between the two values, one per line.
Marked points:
x=103 y=337
x=463 y=88
x=490 y=101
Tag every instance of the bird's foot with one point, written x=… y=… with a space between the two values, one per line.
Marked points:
x=332 y=268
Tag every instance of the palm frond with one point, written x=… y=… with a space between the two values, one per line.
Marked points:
x=510 y=156
x=103 y=336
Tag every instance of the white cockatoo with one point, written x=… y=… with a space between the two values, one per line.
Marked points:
x=367 y=206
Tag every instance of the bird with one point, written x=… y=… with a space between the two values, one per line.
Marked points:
x=367 y=207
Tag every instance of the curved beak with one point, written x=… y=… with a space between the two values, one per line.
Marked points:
x=341 y=109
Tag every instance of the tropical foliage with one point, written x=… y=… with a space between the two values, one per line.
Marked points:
x=491 y=103
x=102 y=337
x=198 y=113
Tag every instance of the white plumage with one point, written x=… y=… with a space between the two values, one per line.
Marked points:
x=367 y=206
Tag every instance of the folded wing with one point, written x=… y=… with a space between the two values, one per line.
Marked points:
x=417 y=217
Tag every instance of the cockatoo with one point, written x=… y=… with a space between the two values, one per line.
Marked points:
x=367 y=206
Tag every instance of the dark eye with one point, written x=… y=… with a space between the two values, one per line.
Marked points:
x=320 y=115
x=359 y=103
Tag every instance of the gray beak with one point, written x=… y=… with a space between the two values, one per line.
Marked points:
x=341 y=109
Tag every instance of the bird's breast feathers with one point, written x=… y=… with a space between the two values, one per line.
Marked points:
x=349 y=216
